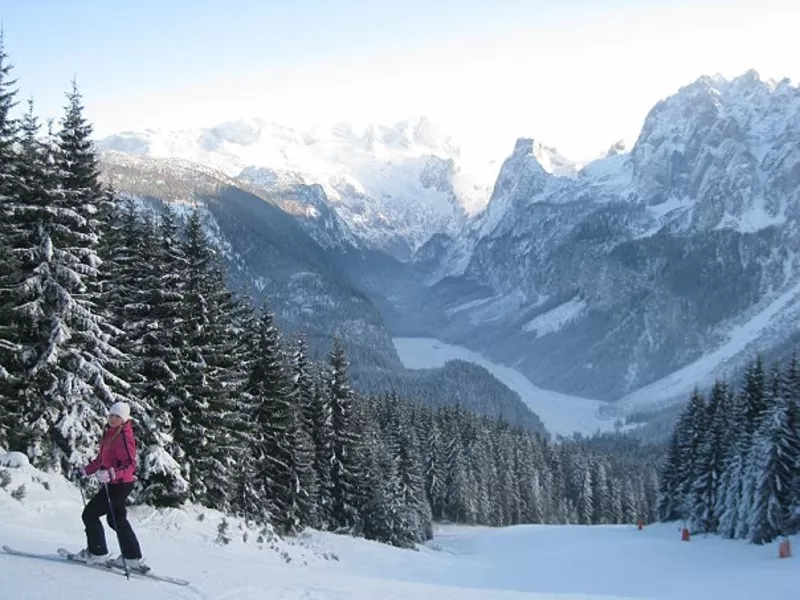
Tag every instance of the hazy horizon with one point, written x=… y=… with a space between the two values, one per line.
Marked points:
x=578 y=76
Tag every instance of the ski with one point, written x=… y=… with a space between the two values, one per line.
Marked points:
x=70 y=556
x=60 y=559
x=63 y=556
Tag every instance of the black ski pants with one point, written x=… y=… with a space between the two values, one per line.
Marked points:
x=97 y=507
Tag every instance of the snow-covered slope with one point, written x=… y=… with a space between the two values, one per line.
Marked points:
x=460 y=563
x=393 y=185
x=769 y=321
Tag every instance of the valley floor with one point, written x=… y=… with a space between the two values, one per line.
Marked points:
x=561 y=414
x=461 y=563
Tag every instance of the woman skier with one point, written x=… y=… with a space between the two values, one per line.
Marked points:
x=114 y=468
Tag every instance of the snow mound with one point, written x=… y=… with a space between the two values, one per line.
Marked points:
x=13 y=460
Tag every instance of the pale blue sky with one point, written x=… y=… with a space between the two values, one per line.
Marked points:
x=577 y=74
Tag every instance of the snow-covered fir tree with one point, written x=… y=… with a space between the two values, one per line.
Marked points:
x=204 y=403
x=775 y=451
x=344 y=471
x=247 y=492
x=382 y=514
x=322 y=437
x=154 y=322
x=63 y=352
x=743 y=474
x=729 y=492
x=269 y=388
x=301 y=399
x=792 y=395
x=710 y=461
x=408 y=462
x=9 y=188
x=144 y=298
x=433 y=470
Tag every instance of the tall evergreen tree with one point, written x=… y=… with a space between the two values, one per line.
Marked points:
x=322 y=436
x=776 y=447
x=9 y=187
x=710 y=461
x=268 y=387
x=207 y=404
x=381 y=512
x=8 y=128
x=146 y=301
x=669 y=499
x=791 y=390
x=585 y=500
x=456 y=476
x=754 y=398
x=344 y=474
x=692 y=427
x=65 y=381
x=408 y=461
x=599 y=492
x=433 y=469
x=34 y=181
x=301 y=441
x=732 y=480
x=247 y=500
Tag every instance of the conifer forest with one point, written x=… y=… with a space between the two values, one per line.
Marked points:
x=733 y=463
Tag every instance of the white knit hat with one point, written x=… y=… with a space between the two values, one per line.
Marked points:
x=121 y=409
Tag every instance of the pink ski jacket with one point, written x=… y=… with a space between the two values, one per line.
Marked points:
x=118 y=452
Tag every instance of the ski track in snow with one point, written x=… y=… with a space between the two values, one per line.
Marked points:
x=561 y=413
x=531 y=562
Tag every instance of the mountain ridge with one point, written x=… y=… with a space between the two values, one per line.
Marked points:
x=393 y=185
x=562 y=262
x=699 y=221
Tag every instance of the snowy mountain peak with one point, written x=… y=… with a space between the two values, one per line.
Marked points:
x=418 y=132
x=548 y=158
x=689 y=237
x=524 y=146
x=747 y=87
x=394 y=185
x=529 y=173
x=619 y=147
x=722 y=153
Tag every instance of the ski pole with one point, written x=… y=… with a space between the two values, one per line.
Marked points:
x=76 y=473
x=114 y=524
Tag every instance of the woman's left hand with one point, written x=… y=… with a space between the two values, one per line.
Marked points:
x=105 y=475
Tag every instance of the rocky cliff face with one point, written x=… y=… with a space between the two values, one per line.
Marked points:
x=646 y=261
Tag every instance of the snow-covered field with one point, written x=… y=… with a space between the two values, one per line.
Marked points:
x=561 y=413
x=461 y=563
